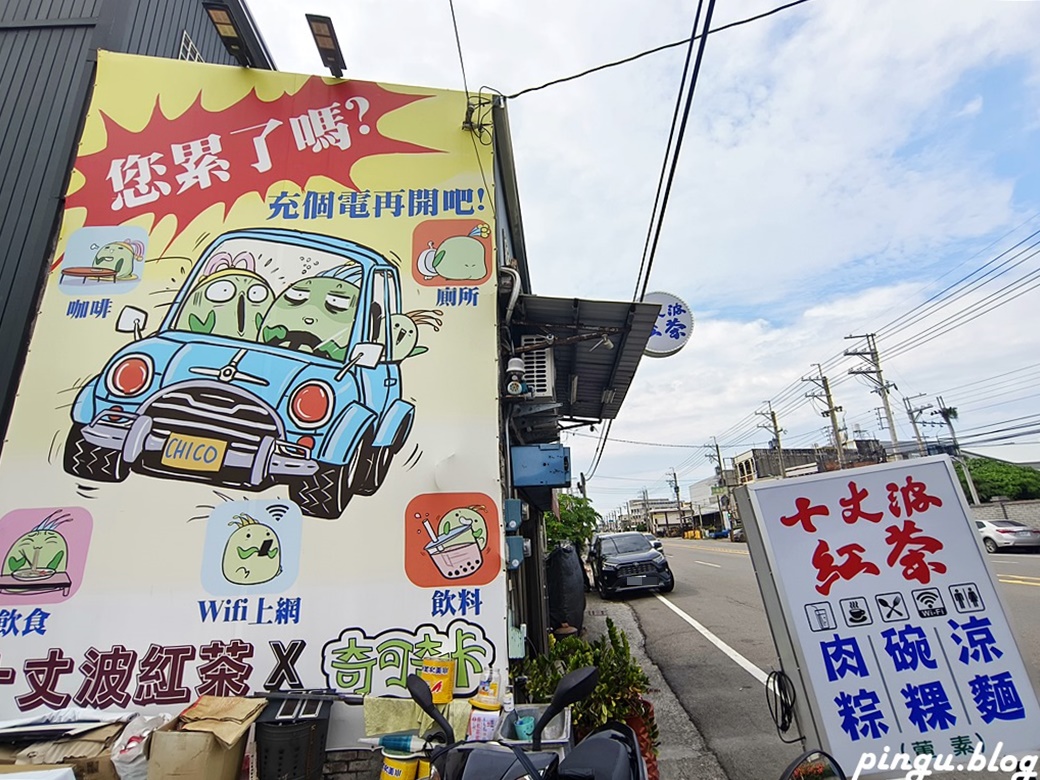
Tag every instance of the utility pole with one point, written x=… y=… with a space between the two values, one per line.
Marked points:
x=913 y=412
x=646 y=512
x=831 y=411
x=873 y=373
x=581 y=486
x=775 y=428
x=678 y=503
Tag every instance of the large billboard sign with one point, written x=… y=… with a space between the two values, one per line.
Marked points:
x=893 y=617
x=268 y=323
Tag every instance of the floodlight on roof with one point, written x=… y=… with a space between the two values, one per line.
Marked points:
x=328 y=45
x=230 y=35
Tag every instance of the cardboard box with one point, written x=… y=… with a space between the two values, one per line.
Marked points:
x=193 y=755
x=206 y=742
x=88 y=754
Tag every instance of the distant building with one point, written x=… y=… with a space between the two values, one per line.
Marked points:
x=661 y=516
x=765 y=463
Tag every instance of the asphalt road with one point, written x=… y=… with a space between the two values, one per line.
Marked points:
x=716 y=588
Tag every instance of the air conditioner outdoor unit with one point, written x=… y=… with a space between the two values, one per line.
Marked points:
x=539 y=372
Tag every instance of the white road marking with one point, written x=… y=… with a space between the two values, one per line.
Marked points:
x=705 y=563
x=733 y=655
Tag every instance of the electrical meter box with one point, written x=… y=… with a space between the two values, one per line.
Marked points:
x=515 y=512
x=541 y=465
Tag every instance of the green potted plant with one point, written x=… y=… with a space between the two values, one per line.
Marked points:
x=618 y=696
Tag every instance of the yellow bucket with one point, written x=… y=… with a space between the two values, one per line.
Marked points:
x=439 y=674
x=398 y=766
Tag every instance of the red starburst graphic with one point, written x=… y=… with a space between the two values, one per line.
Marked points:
x=184 y=165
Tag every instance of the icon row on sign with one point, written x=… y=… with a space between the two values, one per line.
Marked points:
x=893 y=607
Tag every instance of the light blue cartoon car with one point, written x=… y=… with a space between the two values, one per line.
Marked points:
x=278 y=362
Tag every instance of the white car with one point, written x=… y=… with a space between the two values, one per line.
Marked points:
x=1007 y=533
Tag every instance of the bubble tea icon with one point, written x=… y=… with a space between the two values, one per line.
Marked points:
x=456 y=553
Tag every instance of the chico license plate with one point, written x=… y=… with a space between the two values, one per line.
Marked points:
x=193 y=453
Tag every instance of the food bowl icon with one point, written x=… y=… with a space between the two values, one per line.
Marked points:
x=455 y=553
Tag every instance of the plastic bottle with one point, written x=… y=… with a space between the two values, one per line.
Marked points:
x=507 y=700
x=488 y=697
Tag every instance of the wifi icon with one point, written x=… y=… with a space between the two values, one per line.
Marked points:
x=929 y=602
x=277 y=511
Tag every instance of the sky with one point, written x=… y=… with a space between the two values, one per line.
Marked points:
x=868 y=166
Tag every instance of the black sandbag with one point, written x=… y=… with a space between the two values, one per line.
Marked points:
x=565 y=582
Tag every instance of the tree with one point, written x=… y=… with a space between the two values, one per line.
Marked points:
x=996 y=478
x=577 y=521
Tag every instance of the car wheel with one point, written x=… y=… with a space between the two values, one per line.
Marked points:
x=88 y=461
x=327 y=491
x=603 y=592
x=375 y=464
x=669 y=585
x=991 y=546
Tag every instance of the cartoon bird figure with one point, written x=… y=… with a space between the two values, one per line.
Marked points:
x=41 y=552
x=316 y=314
x=231 y=302
x=119 y=256
x=458 y=258
x=253 y=554
x=404 y=332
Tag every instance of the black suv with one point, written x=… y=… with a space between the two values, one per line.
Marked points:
x=626 y=562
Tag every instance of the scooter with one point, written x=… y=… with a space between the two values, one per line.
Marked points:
x=611 y=752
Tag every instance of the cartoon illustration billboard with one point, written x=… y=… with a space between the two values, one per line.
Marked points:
x=269 y=316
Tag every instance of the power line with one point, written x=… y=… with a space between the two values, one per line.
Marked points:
x=656 y=49
x=458 y=44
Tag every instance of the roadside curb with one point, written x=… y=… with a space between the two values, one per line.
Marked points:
x=683 y=754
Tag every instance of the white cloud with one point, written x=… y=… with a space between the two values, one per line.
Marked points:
x=972 y=108
x=818 y=177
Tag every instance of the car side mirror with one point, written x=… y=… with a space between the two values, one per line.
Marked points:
x=131 y=320
x=658 y=544
x=367 y=355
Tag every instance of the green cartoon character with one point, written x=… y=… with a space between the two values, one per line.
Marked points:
x=458 y=258
x=253 y=554
x=41 y=552
x=120 y=256
x=316 y=314
x=466 y=517
x=404 y=332
x=230 y=300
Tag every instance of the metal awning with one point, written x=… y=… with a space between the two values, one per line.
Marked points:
x=592 y=375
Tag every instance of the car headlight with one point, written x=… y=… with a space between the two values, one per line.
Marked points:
x=609 y=565
x=310 y=405
x=131 y=375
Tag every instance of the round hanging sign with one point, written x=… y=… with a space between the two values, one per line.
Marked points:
x=673 y=327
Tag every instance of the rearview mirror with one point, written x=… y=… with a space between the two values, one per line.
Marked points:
x=421 y=694
x=574 y=687
x=814 y=764
x=131 y=320
x=367 y=355
x=658 y=544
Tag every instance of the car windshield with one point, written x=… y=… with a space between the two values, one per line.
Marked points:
x=276 y=294
x=619 y=545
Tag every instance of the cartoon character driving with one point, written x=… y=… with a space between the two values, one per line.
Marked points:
x=302 y=390
x=316 y=314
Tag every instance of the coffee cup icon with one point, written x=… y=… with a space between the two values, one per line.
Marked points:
x=856 y=613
